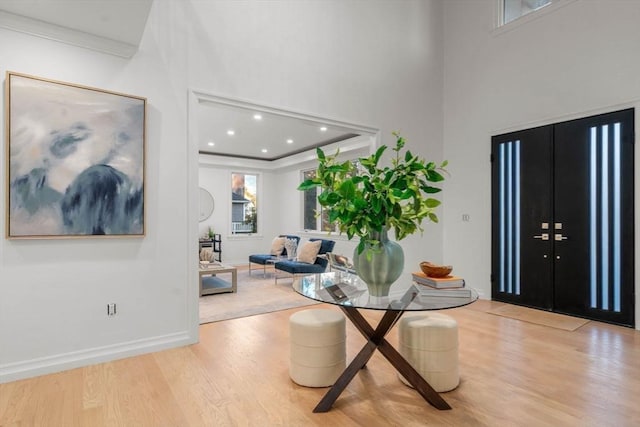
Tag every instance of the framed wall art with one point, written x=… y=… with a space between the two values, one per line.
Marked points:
x=75 y=160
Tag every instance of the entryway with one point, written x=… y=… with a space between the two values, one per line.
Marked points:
x=562 y=217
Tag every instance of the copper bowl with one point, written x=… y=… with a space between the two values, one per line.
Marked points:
x=434 y=270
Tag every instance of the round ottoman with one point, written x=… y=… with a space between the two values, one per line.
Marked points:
x=317 y=344
x=429 y=342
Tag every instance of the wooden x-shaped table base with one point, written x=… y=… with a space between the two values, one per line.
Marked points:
x=376 y=340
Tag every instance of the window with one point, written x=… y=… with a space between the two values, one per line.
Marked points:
x=315 y=218
x=513 y=9
x=244 y=203
x=311 y=219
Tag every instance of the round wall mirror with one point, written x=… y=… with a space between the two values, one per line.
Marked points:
x=206 y=204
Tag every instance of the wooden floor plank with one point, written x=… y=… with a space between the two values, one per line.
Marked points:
x=513 y=373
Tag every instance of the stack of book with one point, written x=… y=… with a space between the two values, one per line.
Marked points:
x=438 y=282
x=449 y=286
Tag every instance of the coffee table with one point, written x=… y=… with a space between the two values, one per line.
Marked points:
x=350 y=293
x=210 y=283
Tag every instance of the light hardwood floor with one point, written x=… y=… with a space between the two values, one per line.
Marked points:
x=512 y=374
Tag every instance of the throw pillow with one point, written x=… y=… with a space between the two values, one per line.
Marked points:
x=277 y=246
x=309 y=252
x=291 y=246
x=206 y=254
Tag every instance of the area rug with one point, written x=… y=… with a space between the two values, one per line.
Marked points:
x=539 y=317
x=256 y=295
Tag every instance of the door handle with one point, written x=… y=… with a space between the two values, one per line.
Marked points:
x=543 y=236
x=559 y=237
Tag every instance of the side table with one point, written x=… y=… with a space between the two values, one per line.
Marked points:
x=350 y=293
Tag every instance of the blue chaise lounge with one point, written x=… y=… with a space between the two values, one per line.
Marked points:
x=263 y=259
x=294 y=267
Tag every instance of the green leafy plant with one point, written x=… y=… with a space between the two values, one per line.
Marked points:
x=369 y=198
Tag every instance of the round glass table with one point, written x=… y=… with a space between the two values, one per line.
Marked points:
x=350 y=293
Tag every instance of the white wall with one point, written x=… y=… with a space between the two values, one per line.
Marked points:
x=372 y=63
x=217 y=180
x=375 y=63
x=574 y=61
x=54 y=293
x=279 y=204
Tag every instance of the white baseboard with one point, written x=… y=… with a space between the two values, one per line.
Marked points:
x=61 y=362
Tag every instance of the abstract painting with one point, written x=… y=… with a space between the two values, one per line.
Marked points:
x=75 y=160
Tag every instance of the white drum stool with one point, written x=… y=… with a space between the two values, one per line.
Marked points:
x=429 y=342
x=317 y=343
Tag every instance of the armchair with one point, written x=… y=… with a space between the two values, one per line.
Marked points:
x=295 y=266
x=263 y=259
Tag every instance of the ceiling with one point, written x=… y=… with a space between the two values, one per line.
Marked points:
x=116 y=27
x=260 y=133
x=111 y=26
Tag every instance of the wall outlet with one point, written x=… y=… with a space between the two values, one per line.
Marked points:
x=111 y=309
x=466 y=217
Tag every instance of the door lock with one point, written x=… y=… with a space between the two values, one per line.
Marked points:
x=559 y=237
x=543 y=236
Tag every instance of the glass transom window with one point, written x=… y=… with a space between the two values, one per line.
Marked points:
x=514 y=9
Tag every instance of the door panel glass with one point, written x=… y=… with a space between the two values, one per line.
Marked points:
x=605 y=217
x=509 y=161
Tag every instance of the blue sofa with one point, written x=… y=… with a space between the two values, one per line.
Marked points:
x=294 y=267
x=263 y=259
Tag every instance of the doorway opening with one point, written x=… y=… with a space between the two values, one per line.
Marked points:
x=277 y=171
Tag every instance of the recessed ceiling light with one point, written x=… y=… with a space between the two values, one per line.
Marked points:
x=211 y=143
x=257 y=116
x=323 y=129
x=289 y=141
x=231 y=132
x=264 y=150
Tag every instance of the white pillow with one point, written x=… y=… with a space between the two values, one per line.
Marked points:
x=309 y=252
x=277 y=246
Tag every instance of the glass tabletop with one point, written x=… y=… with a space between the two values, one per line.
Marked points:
x=347 y=289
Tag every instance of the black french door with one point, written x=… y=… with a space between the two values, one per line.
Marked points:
x=562 y=217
